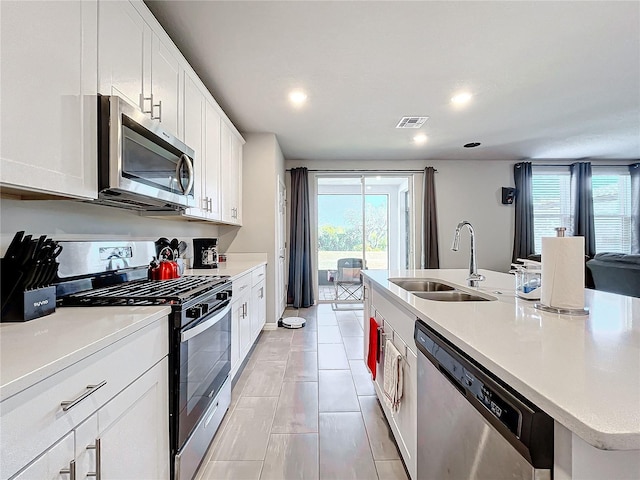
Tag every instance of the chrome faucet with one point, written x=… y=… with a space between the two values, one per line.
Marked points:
x=474 y=277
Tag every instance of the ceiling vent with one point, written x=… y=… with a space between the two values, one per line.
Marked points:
x=411 y=122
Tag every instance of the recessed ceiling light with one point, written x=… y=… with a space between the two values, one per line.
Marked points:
x=297 y=97
x=420 y=139
x=461 y=98
x=471 y=145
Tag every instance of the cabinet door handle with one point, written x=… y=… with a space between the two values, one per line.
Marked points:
x=68 y=404
x=261 y=292
x=205 y=201
x=97 y=474
x=71 y=471
x=146 y=99
x=159 y=107
x=210 y=204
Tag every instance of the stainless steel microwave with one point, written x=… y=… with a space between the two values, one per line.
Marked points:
x=140 y=165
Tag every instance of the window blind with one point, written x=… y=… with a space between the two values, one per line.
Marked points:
x=612 y=212
x=551 y=205
x=611 y=206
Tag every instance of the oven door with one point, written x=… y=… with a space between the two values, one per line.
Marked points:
x=204 y=365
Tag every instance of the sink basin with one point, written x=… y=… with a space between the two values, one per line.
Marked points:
x=452 y=296
x=419 y=285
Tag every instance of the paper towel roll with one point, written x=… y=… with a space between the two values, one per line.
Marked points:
x=563 y=272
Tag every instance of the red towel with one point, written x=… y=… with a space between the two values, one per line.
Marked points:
x=372 y=354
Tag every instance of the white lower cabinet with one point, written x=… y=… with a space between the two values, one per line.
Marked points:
x=240 y=321
x=56 y=463
x=118 y=396
x=396 y=324
x=126 y=438
x=258 y=309
x=249 y=311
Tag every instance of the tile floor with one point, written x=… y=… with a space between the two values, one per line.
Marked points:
x=305 y=408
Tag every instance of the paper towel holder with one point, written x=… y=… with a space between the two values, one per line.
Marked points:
x=562 y=311
x=560 y=232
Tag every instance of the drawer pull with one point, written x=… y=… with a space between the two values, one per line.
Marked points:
x=71 y=471
x=66 y=405
x=97 y=474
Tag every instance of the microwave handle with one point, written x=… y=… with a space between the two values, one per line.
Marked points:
x=185 y=159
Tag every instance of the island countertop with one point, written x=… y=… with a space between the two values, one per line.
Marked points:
x=583 y=371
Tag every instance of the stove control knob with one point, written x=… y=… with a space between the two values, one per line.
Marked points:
x=194 y=312
x=222 y=296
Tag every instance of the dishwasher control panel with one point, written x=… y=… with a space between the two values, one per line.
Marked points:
x=469 y=381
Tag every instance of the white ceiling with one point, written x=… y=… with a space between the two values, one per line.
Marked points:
x=549 y=79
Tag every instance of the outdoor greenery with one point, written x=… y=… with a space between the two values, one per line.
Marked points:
x=349 y=237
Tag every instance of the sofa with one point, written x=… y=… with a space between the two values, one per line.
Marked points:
x=616 y=273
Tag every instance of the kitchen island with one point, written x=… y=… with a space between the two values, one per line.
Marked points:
x=582 y=371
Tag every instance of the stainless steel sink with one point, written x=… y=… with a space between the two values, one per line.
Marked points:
x=419 y=285
x=452 y=296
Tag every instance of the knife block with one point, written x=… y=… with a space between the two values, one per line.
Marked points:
x=30 y=304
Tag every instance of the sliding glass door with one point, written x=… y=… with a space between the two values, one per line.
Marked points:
x=363 y=221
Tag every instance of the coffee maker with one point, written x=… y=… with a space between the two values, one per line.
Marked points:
x=205 y=253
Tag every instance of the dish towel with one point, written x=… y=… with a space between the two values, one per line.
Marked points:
x=373 y=353
x=392 y=376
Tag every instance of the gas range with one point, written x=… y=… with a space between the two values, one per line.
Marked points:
x=115 y=273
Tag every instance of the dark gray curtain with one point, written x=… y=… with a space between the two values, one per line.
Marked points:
x=300 y=290
x=430 y=257
x=582 y=206
x=523 y=241
x=634 y=170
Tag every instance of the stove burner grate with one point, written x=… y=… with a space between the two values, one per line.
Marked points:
x=146 y=292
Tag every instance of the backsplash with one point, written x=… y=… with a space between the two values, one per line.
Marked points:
x=69 y=220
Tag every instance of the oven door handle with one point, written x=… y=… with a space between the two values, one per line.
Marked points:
x=201 y=327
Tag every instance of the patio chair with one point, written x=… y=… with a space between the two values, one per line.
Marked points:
x=348 y=280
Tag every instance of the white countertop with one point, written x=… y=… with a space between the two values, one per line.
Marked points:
x=583 y=371
x=234 y=269
x=34 y=350
x=31 y=351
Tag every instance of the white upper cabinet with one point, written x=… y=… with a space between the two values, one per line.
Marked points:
x=212 y=152
x=202 y=133
x=231 y=162
x=123 y=37
x=48 y=97
x=193 y=136
x=166 y=74
x=135 y=63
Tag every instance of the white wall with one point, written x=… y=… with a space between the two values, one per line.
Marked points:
x=465 y=190
x=262 y=163
x=66 y=220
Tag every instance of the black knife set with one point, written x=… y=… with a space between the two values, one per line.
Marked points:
x=29 y=268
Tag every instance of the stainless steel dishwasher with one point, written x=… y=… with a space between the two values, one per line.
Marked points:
x=469 y=425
